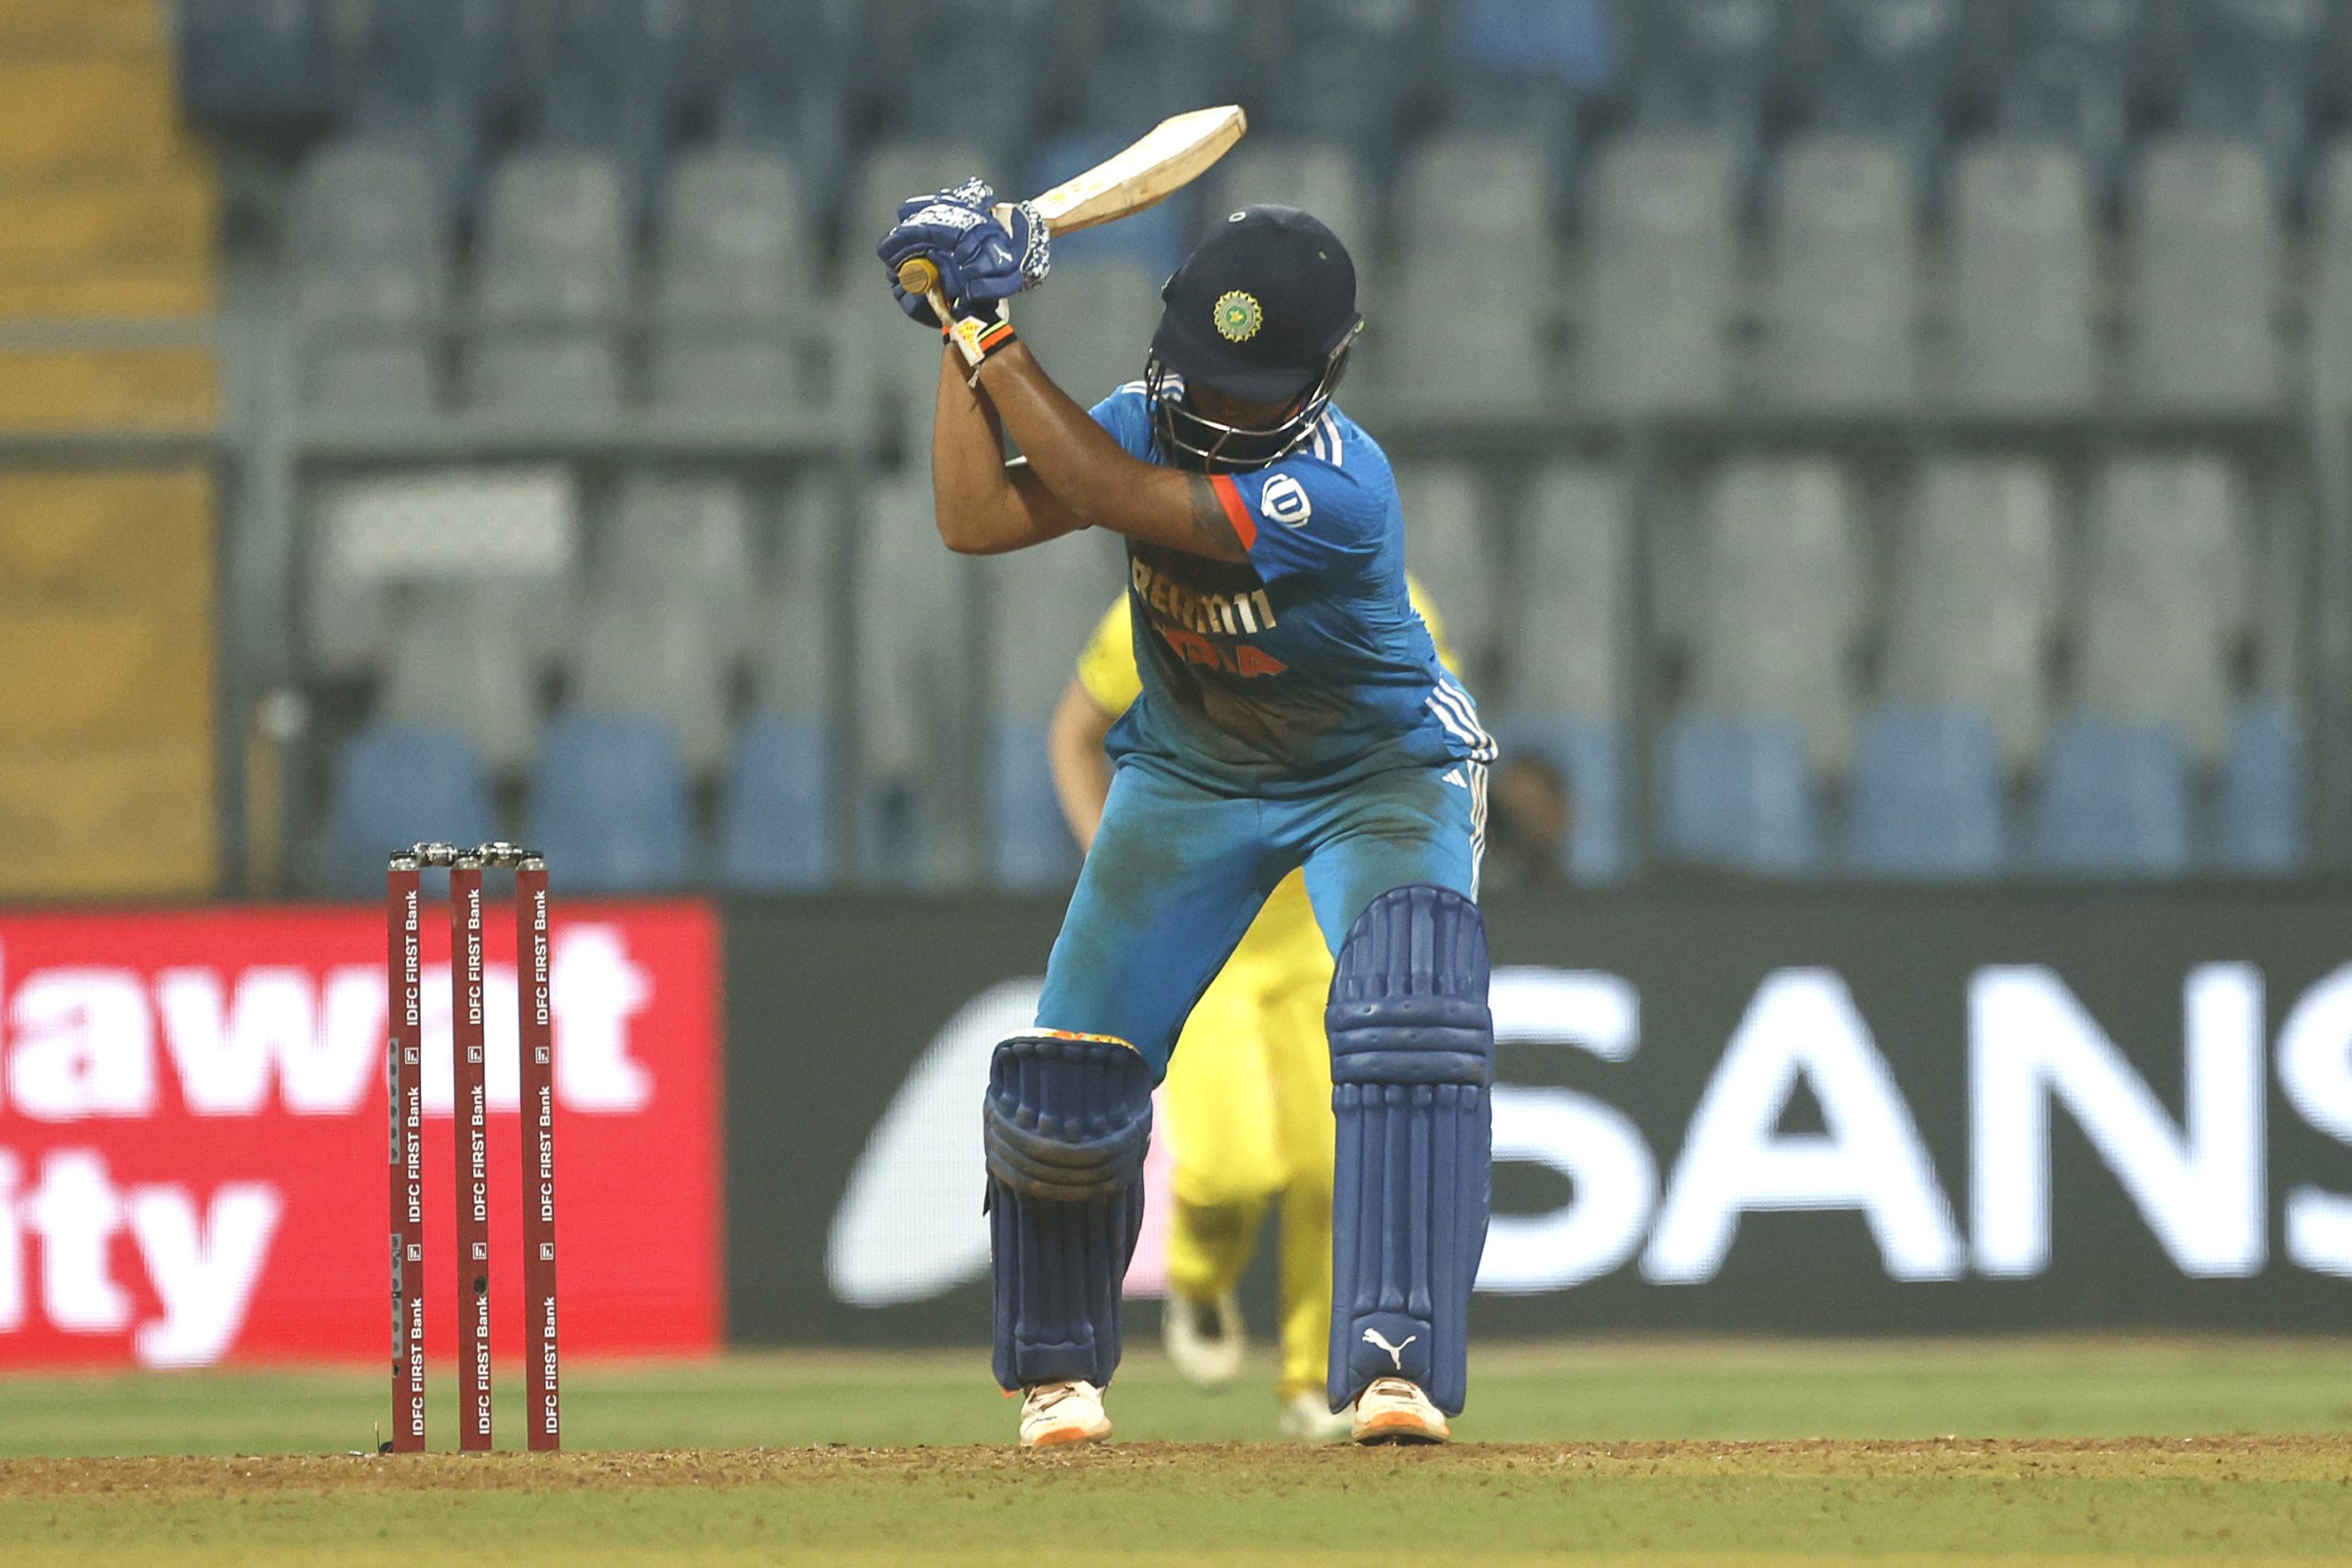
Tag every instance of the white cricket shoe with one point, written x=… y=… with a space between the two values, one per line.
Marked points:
x=1206 y=1339
x=1308 y=1419
x=1395 y=1410
x=1054 y=1414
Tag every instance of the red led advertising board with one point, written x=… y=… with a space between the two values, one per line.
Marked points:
x=194 y=1135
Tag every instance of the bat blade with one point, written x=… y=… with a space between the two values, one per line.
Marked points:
x=1169 y=156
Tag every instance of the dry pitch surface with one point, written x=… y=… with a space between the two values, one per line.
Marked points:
x=2244 y=1500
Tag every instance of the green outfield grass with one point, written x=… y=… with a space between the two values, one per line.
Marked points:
x=2008 y=1451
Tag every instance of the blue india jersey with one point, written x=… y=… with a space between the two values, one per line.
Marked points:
x=1307 y=665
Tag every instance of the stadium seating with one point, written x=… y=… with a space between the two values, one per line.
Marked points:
x=444 y=76
x=1010 y=44
x=2024 y=281
x=689 y=541
x=2331 y=277
x=800 y=630
x=1591 y=755
x=2165 y=596
x=1925 y=801
x=1030 y=845
x=648 y=650
x=615 y=72
x=2073 y=69
x=398 y=784
x=552 y=275
x=506 y=541
x=735 y=270
x=609 y=805
x=459 y=662
x=1739 y=795
x=1529 y=69
x=371 y=274
x=416 y=52
x=1662 y=264
x=1712 y=66
x=1951 y=359
x=788 y=77
x=2260 y=830
x=1461 y=332
x=255 y=66
x=1348 y=72
x=1566 y=604
x=1974 y=596
x=1841 y=322
x=1156 y=58
x=775 y=813
x=2252 y=69
x=1781 y=602
x=1887 y=68
x=1451 y=548
x=2210 y=251
x=2114 y=801
x=913 y=677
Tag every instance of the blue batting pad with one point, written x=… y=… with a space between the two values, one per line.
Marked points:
x=1412 y=1061
x=1067 y=1119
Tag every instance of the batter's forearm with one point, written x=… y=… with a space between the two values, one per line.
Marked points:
x=970 y=493
x=1095 y=477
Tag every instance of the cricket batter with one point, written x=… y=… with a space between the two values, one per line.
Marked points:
x=1294 y=717
x=1248 y=1096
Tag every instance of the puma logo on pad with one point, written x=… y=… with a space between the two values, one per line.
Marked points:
x=1395 y=1352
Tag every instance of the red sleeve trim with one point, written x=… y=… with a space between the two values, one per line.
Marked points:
x=1236 y=511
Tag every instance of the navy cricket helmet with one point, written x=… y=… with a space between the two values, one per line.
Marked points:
x=1264 y=310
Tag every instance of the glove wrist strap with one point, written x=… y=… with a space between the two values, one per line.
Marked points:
x=978 y=337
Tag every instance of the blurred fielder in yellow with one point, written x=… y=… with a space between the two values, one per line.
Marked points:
x=1248 y=1097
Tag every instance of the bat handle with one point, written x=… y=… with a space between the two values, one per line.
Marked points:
x=920 y=274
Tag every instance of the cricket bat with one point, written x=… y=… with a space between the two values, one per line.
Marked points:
x=1171 y=155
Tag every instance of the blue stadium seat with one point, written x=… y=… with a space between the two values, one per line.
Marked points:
x=2070 y=74
x=1591 y=755
x=2262 y=794
x=1162 y=57
x=1029 y=844
x=1008 y=45
x=397 y=785
x=246 y=66
x=775 y=818
x=895 y=836
x=1926 y=799
x=2252 y=69
x=608 y=803
x=1568 y=41
x=790 y=76
x=1350 y=70
x=1887 y=69
x=1738 y=793
x=442 y=75
x=1156 y=237
x=2114 y=801
x=616 y=70
x=1707 y=65
x=420 y=50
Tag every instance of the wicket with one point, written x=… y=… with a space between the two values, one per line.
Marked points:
x=404 y=972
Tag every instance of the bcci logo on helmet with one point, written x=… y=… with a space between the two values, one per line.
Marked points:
x=1238 y=317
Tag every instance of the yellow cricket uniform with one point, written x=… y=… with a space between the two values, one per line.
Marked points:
x=1248 y=1096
